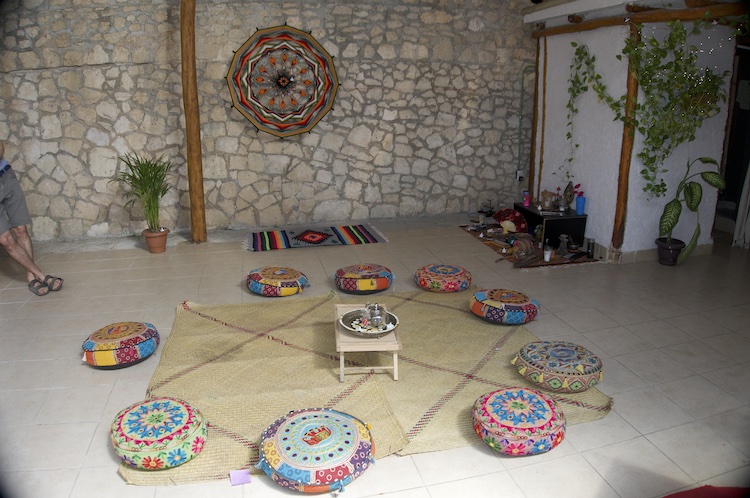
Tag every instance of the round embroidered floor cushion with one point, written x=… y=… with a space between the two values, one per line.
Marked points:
x=559 y=366
x=504 y=306
x=276 y=281
x=518 y=421
x=120 y=344
x=160 y=433
x=441 y=277
x=315 y=450
x=364 y=278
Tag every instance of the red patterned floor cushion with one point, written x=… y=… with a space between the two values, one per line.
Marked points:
x=439 y=277
x=559 y=366
x=518 y=421
x=120 y=344
x=364 y=278
x=276 y=281
x=315 y=450
x=160 y=433
x=504 y=306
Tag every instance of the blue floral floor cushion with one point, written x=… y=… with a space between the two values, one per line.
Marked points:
x=160 y=433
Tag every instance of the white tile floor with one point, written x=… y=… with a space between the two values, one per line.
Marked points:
x=675 y=343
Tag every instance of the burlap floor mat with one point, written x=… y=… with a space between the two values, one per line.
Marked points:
x=244 y=366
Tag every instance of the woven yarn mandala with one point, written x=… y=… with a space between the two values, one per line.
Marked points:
x=160 y=433
x=504 y=306
x=282 y=80
x=276 y=281
x=441 y=277
x=518 y=421
x=364 y=278
x=315 y=450
x=120 y=344
x=559 y=366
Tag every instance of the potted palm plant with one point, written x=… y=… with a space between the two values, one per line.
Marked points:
x=671 y=251
x=148 y=182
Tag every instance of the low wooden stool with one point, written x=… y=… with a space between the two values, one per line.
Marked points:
x=347 y=342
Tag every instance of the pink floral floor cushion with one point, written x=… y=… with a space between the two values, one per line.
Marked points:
x=439 y=277
x=364 y=278
x=120 y=344
x=160 y=433
x=276 y=281
x=518 y=421
x=559 y=366
x=504 y=306
x=315 y=450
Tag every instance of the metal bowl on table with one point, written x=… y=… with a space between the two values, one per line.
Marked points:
x=350 y=323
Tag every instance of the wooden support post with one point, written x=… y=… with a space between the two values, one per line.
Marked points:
x=534 y=123
x=661 y=15
x=192 y=122
x=626 y=153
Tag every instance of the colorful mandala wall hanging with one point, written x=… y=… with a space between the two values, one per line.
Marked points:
x=282 y=80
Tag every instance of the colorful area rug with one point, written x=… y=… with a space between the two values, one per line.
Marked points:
x=313 y=237
x=244 y=366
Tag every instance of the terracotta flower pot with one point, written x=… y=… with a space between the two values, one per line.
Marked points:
x=156 y=241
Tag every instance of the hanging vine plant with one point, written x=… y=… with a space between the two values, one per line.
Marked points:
x=677 y=95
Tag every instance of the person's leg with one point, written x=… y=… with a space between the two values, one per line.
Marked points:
x=19 y=249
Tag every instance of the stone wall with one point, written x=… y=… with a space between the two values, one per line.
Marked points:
x=426 y=119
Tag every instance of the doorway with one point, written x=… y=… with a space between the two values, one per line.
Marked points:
x=737 y=146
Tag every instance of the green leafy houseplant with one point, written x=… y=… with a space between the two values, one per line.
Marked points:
x=677 y=95
x=690 y=193
x=148 y=182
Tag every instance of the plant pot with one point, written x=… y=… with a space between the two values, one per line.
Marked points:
x=667 y=252
x=156 y=241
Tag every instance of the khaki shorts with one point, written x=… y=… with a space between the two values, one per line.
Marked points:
x=13 y=210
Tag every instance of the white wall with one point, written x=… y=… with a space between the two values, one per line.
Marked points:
x=642 y=226
x=596 y=164
x=596 y=160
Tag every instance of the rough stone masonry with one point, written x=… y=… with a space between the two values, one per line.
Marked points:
x=426 y=120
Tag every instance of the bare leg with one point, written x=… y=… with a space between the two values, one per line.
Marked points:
x=18 y=247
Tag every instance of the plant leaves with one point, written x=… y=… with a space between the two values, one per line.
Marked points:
x=670 y=217
x=693 y=195
x=690 y=246
x=714 y=179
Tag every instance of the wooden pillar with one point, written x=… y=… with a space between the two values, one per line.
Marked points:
x=626 y=153
x=192 y=122
x=534 y=124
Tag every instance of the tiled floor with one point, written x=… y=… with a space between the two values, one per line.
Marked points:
x=675 y=343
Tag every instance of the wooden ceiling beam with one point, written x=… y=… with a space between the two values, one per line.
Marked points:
x=660 y=15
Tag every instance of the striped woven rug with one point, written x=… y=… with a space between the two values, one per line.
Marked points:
x=269 y=240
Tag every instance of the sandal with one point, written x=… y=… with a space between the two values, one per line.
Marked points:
x=53 y=283
x=37 y=287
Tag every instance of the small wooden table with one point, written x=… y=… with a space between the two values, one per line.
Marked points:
x=346 y=342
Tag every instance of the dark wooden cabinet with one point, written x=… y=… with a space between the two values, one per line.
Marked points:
x=553 y=225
